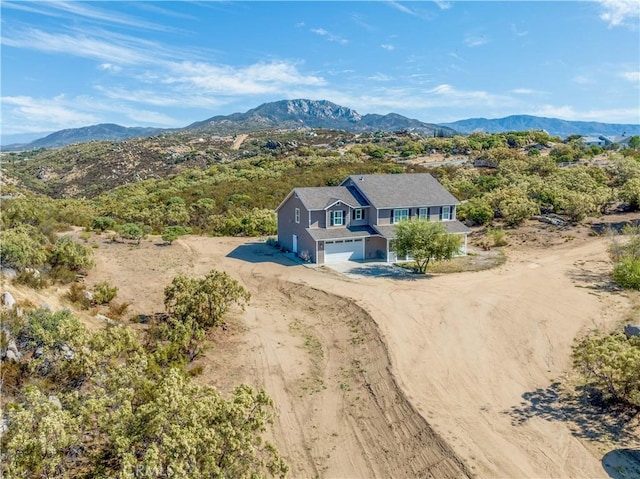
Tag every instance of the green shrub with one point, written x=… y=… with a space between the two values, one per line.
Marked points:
x=498 y=236
x=62 y=274
x=77 y=294
x=172 y=233
x=33 y=279
x=23 y=247
x=66 y=253
x=477 y=211
x=102 y=223
x=627 y=272
x=103 y=292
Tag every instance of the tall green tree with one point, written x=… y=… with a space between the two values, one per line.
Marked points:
x=425 y=240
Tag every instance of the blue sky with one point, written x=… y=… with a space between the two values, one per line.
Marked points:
x=168 y=64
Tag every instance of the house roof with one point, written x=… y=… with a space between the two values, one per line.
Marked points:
x=322 y=197
x=402 y=190
x=454 y=226
x=320 y=234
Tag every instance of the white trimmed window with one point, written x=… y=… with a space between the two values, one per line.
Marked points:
x=400 y=215
x=358 y=214
x=337 y=218
x=297 y=215
x=446 y=213
x=423 y=214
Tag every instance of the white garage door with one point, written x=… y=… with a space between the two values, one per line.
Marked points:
x=343 y=250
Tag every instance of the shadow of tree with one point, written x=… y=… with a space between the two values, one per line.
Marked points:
x=601 y=228
x=622 y=463
x=594 y=280
x=583 y=410
x=385 y=270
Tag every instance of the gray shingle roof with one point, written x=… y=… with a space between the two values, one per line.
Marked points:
x=320 y=197
x=454 y=226
x=319 y=234
x=402 y=190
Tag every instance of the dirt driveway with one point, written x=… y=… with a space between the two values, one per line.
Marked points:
x=449 y=376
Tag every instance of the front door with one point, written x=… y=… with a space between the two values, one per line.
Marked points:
x=295 y=244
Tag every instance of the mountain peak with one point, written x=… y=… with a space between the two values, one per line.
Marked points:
x=305 y=113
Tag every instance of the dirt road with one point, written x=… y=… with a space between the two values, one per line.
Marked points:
x=447 y=376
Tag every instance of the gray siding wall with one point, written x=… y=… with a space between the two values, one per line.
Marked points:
x=287 y=226
x=365 y=220
x=308 y=244
x=375 y=248
x=434 y=213
x=385 y=217
x=346 y=215
x=318 y=219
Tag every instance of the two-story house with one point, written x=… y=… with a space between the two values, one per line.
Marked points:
x=355 y=221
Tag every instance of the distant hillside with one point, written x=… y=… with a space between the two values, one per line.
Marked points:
x=104 y=131
x=553 y=126
x=301 y=113
x=288 y=114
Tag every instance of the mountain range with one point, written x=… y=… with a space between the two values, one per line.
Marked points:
x=553 y=126
x=301 y=113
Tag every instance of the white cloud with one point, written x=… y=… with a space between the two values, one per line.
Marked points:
x=443 y=5
x=518 y=33
x=583 y=80
x=388 y=46
x=110 y=67
x=631 y=76
x=380 y=77
x=475 y=40
x=78 y=45
x=410 y=11
x=523 y=91
x=402 y=8
x=24 y=114
x=620 y=12
x=259 y=78
x=330 y=36
x=358 y=20
x=566 y=112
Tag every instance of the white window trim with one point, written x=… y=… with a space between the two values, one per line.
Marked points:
x=447 y=216
x=423 y=213
x=335 y=214
x=397 y=218
x=358 y=214
x=297 y=215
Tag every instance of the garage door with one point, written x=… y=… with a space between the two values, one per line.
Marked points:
x=343 y=250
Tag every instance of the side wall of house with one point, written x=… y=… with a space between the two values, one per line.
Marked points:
x=287 y=226
x=318 y=219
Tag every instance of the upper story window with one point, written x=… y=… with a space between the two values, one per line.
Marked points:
x=400 y=215
x=423 y=214
x=446 y=213
x=337 y=218
x=358 y=214
x=297 y=215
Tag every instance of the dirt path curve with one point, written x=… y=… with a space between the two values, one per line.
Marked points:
x=238 y=141
x=397 y=378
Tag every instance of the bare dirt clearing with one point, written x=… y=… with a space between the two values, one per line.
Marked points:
x=238 y=141
x=441 y=376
